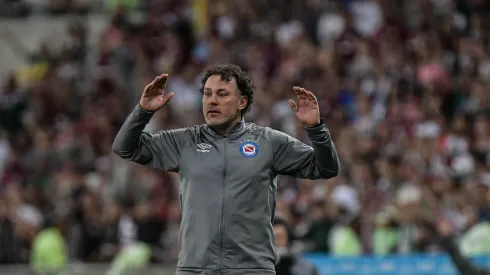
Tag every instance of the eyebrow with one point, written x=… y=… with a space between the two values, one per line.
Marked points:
x=219 y=90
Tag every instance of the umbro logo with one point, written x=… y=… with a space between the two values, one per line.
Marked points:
x=203 y=147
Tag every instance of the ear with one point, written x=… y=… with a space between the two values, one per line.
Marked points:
x=242 y=103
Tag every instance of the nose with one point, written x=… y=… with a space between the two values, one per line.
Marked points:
x=212 y=100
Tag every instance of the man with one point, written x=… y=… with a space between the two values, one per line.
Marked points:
x=289 y=263
x=227 y=170
x=463 y=265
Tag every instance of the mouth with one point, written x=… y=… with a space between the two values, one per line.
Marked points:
x=214 y=112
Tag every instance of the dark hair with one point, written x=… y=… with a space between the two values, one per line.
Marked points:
x=227 y=73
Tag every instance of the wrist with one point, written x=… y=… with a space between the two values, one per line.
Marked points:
x=318 y=123
x=144 y=109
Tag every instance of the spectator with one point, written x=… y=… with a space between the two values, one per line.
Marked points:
x=49 y=249
x=464 y=265
x=9 y=253
x=288 y=262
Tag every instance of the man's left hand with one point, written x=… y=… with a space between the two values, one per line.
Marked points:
x=306 y=108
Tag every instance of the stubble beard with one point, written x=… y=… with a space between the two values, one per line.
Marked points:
x=226 y=124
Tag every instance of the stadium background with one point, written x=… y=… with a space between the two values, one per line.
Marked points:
x=403 y=86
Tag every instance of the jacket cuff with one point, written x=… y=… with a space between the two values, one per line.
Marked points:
x=318 y=133
x=141 y=113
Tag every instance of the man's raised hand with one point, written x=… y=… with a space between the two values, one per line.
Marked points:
x=154 y=96
x=306 y=108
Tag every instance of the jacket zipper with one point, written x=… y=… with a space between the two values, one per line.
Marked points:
x=221 y=221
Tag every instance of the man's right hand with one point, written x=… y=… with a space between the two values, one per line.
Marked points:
x=154 y=97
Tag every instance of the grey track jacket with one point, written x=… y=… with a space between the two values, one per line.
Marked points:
x=228 y=186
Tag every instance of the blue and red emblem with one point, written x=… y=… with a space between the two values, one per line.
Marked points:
x=249 y=149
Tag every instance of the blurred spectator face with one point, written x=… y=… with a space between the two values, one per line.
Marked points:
x=142 y=211
x=174 y=211
x=282 y=210
x=318 y=211
x=112 y=212
x=384 y=168
x=24 y=230
x=361 y=174
x=3 y=210
x=89 y=203
x=325 y=58
x=281 y=235
x=14 y=198
x=408 y=198
x=477 y=91
x=222 y=102
x=306 y=54
x=28 y=220
x=41 y=140
x=441 y=185
x=470 y=214
x=408 y=213
x=331 y=209
x=459 y=125
x=481 y=126
x=432 y=74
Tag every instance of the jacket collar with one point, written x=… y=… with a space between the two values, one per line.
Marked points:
x=237 y=129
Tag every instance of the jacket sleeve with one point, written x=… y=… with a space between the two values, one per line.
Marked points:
x=160 y=151
x=463 y=264
x=293 y=157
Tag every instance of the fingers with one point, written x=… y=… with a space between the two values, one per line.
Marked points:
x=300 y=92
x=293 y=105
x=160 y=81
x=311 y=96
x=167 y=97
x=304 y=95
x=157 y=84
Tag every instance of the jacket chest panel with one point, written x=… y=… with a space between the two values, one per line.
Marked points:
x=225 y=160
x=248 y=157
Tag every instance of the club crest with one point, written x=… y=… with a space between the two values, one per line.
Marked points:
x=249 y=149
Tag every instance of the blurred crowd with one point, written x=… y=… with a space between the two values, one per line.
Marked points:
x=404 y=87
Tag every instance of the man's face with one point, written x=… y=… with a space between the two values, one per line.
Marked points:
x=222 y=102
